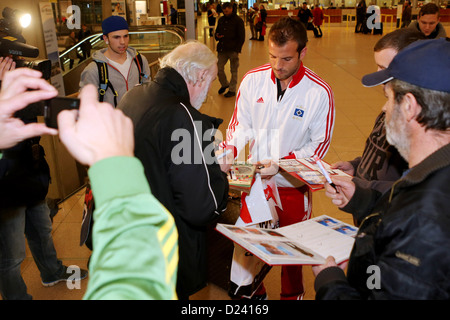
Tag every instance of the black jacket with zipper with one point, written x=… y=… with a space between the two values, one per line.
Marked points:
x=233 y=31
x=174 y=143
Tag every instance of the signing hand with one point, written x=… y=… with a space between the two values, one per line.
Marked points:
x=344 y=166
x=346 y=189
x=267 y=168
x=225 y=158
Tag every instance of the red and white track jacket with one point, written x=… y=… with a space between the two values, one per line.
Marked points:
x=300 y=124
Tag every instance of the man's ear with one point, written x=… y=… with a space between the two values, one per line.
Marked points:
x=201 y=79
x=410 y=107
x=105 y=38
x=303 y=53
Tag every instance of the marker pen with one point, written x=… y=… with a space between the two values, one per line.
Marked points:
x=223 y=154
x=325 y=173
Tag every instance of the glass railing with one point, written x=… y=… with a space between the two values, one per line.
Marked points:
x=151 y=41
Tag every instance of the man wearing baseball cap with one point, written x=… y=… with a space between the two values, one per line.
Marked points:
x=403 y=244
x=117 y=68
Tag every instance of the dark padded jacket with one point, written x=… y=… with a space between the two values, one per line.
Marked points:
x=404 y=239
x=233 y=31
x=174 y=143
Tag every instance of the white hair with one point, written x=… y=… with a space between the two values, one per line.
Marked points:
x=188 y=59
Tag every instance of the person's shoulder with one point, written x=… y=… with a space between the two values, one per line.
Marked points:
x=258 y=72
x=441 y=31
x=146 y=110
x=317 y=81
x=91 y=68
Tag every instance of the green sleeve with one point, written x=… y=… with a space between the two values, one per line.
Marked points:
x=135 y=240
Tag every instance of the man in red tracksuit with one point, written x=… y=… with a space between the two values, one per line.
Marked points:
x=283 y=109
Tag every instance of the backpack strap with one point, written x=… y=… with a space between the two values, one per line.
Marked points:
x=139 y=64
x=104 y=82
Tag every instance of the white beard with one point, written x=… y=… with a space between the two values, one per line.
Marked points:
x=198 y=101
x=397 y=133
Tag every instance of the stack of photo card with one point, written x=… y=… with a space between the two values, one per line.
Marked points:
x=305 y=243
x=308 y=171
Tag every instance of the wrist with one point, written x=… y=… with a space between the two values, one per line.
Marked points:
x=110 y=154
x=327 y=275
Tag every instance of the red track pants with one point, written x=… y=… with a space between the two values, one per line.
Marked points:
x=297 y=206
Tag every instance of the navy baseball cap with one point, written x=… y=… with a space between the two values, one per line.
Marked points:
x=114 y=23
x=424 y=63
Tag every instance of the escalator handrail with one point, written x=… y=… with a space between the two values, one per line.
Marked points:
x=93 y=39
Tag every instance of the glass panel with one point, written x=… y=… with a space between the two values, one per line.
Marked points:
x=153 y=44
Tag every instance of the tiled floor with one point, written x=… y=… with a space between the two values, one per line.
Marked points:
x=341 y=58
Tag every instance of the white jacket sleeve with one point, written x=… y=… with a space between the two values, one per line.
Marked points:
x=240 y=131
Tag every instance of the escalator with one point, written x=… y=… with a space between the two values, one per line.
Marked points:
x=151 y=41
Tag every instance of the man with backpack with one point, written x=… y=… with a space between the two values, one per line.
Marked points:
x=117 y=68
x=114 y=70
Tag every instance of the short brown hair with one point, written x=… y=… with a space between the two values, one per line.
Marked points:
x=286 y=29
x=429 y=8
x=398 y=39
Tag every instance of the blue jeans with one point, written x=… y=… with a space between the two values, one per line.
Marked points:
x=35 y=222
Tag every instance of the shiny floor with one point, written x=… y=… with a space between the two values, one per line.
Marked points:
x=341 y=58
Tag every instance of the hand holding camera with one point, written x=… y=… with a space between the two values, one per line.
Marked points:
x=20 y=88
x=6 y=64
x=97 y=131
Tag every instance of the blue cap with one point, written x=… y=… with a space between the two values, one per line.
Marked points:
x=424 y=63
x=114 y=23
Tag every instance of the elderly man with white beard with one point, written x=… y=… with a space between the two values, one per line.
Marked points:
x=175 y=143
x=403 y=244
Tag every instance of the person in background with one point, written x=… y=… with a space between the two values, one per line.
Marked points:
x=73 y=54
x=86 y=45
x=360 y=15
x=261 y=25
x=123 y=66
x=305 y=15
x=212 y=16
x=230 y=34
x=173 y=15
x=406 y=14
x=318 y=20
x=251 y=15
x=380 y=163
x=428 y=22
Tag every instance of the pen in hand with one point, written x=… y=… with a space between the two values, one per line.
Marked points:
x=223 y=154
x=325 y=173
